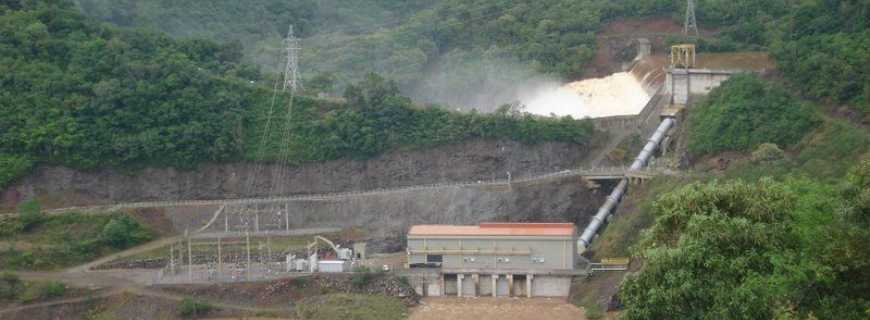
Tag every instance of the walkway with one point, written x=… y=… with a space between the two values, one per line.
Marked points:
x=591 y=173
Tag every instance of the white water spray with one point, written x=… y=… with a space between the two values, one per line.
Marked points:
x=618 y=94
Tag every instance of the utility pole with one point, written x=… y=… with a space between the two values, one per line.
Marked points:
x=189 y=257
x=220 y=258
x=691 y=23
x=248 y=250
x=291 y=70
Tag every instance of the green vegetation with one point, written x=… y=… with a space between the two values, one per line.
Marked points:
x=13 y=167
x=824 y=48
x=826 y=154
x=123 y=232
x=12 y=288
x=65 y=240
x=189 y=307
x=30 y=214
x=40 y=291
x=399 y=39
x=258 y=25
x=86 y=95
x=746 y=112
x=821 y=45
x=80 y=94
x=351 y=306
x=742 y=250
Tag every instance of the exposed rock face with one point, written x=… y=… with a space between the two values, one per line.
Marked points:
x=389 y=215
x=468 y=161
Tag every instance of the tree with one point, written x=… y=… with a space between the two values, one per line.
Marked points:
x=123 y=232
x=740 y=250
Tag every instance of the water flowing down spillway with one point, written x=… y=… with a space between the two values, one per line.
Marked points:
x=622 y=93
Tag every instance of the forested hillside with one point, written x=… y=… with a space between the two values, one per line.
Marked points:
x=439 y=49
x=85 y=95
x=781 y=233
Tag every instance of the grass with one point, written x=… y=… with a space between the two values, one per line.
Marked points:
x=352 y=306
x=13 y=289
x=59 y=241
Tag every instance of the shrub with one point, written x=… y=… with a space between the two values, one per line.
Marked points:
x=192 y=307
x=767 y=152
x=52 y=289
x=123 y=231
x=30 y=214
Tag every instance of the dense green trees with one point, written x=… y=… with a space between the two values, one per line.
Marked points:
x=821 y=45
x=745 y=112
x=764 y=250
x=76 y=93
x=824 y=47
x=86 y=95
x=400 y=39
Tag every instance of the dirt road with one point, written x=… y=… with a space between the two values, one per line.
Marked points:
x=496 y=309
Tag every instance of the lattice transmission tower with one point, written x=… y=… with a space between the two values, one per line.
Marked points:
x=691 y=23
x=292 y=80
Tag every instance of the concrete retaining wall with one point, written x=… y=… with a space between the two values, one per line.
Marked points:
x=683 y=83
x=547 y=286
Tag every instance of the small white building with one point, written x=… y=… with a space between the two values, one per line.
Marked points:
x=333 y=266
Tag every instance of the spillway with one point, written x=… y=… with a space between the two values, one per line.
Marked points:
x=619 y=94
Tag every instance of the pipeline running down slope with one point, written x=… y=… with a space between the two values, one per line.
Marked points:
x=607 y=208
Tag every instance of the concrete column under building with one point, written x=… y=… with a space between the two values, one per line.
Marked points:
x=476 y=279
x=510 y=279
x=529 y=285
x=494 y=285
x=459 y=285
